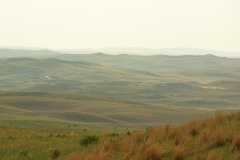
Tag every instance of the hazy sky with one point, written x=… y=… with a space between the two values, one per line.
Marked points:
x=75 y=24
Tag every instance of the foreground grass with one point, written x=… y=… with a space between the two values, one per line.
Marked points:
x=36 y=144
x=215 y=138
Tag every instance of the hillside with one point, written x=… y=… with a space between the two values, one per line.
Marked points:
x=26 y=109
x=211 y=139
x=56 y=70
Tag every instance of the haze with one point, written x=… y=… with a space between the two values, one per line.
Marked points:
x=60 y=24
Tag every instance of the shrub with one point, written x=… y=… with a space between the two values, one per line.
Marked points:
x=56 y=153
x=24 y=152
x=89 y=140
x=113 y=134
x=11 y=138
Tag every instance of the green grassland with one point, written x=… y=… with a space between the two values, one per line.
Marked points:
x=32 y=144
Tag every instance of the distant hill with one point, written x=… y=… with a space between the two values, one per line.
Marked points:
x=4 y=53
x=155 y=62
x=155 y=51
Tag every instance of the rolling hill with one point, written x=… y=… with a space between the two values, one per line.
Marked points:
x=86 y=110
x=181 y=87
x=155 y=62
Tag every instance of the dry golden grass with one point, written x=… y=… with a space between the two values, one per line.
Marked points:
x=167 y=128
x=74 y=156
x=218 y=118
x=155 y=133
x=236 y=142
x=204 y=136
x=238 y=116
x=179 y=153
x=147 y=151
x=191 y=128
x=213 y=155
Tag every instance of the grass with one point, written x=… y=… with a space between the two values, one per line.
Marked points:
x=37 y=144
x=214 y=138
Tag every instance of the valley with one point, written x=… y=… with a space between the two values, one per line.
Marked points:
x=114 y=91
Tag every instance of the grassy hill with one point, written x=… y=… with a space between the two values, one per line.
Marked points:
x=28 y=109
x=54 y=69
x=214 y=138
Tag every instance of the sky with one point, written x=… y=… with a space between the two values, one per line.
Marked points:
x=76 y=24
